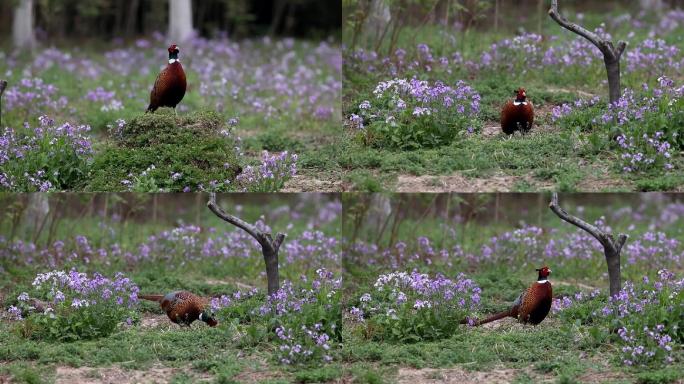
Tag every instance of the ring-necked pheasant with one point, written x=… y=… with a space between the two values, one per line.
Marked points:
x=531 y=306
x=169 y=88
x=184 y=307
x=518 y=114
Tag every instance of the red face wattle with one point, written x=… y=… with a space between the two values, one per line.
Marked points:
x=520 y=94
x=544 y=271
x=173 y=48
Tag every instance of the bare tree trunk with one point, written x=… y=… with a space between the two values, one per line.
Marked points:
x=22 y=26
x=611 y=248
x=37 y=209
x=198 y=209
x=378 y=20
x=611 y=54
x=540 y=17
x=657 y=6
x=269 y=246
x=278 y=12
x=132 y=17
x=496 y=15
x=180 y=20
x=155 y=206
x=3 y=85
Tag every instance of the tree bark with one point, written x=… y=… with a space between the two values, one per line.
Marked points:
x=180 y=20
x=611 y=54
x=22 y=26
x=611 y=248
x=269 y=246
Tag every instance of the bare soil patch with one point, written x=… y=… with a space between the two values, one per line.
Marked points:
x=159 y=321
x=118 y=375
x=574 y=284
x=462 y=376
x=458 y=182
x=579 y=92
x=314 y=183
x=240 y=285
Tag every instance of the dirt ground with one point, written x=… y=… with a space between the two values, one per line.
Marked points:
x=460 y=183
x=118 y=375
x=497 y=375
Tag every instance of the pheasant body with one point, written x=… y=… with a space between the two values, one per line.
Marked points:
x=532 y=306
x=183 y=307
x=518 y=114
x=170 y=86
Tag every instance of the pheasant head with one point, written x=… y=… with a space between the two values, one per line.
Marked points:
x=544 y=273
x=208 y=318
x=520 y=95
x=173 y=53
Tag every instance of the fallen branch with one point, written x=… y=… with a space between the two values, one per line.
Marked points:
x=611 y=54
x=269 y=246
x=611 y=248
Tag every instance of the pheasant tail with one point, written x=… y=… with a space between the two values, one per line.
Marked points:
x=495 y=317
x=151 y=297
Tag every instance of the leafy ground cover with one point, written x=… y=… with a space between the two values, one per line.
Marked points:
x=269 y=95
x=71 y=310
x=411 y=126
x=403 y=281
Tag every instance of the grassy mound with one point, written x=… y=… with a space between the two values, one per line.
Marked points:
x=165 y=151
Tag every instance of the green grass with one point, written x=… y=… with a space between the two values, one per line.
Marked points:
x=556 y=350
x=550 y=157
x=223 y=354
x=292 y=128
x=544 y=352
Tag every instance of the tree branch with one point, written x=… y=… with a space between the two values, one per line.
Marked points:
x=572 y=27
x=269 y=247
x=280 y=237
x=611 y=248
x=236 y=221
x=576 y=221
x=622 y=238
x=611 y=54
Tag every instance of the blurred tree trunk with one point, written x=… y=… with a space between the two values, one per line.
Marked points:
x=180 y=20
x=656 y=6
x=38 y=208
x=496 y=15
x=278 y=12
x=132 y=17
x=22 y=26
x=378 y=21
x=3 y=85
x=540 y=16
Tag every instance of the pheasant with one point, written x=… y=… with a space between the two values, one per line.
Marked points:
x=169 y=88
x=531 y=306
x=517 y=114
x=183 y=307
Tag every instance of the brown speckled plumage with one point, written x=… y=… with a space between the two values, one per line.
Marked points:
x=532 y=306
x=170 y=86
x=182 y=307
x=517 y=117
